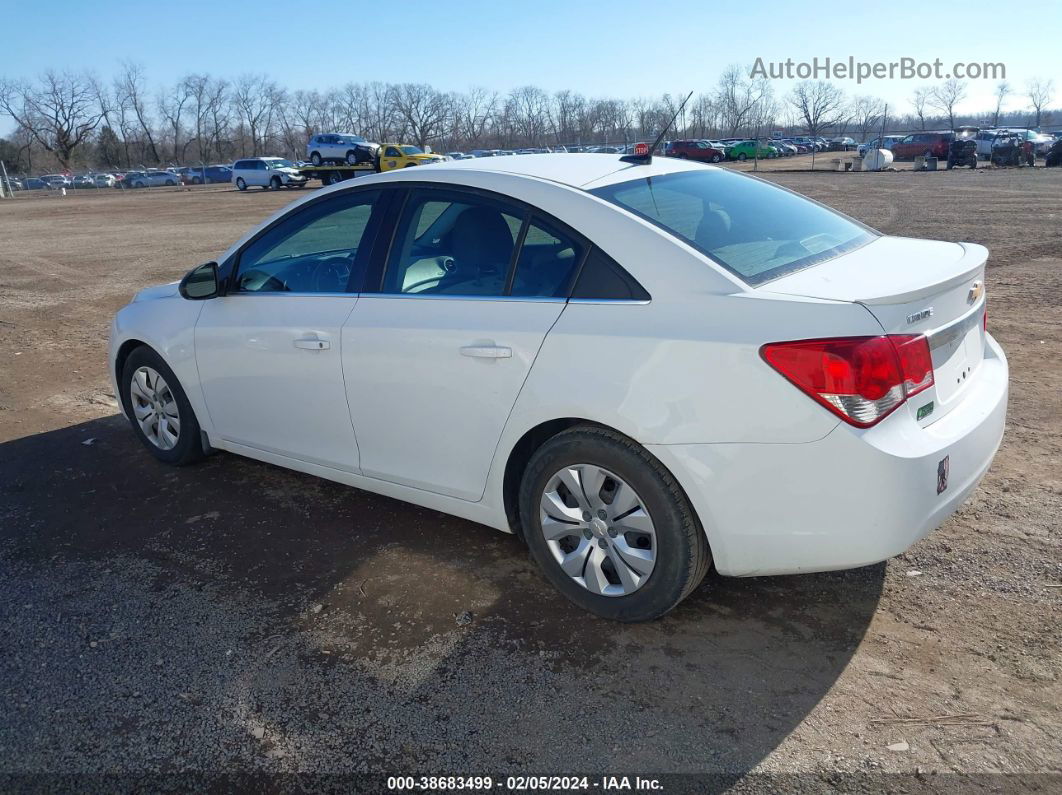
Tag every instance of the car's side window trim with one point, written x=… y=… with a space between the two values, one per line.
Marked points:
x=231 y=267
x=514 y=260
x=374 y=279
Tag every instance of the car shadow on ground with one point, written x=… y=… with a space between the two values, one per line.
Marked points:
x=234 y=615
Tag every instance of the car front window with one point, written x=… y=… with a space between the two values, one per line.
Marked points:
x=313 y=251
x=754 y=229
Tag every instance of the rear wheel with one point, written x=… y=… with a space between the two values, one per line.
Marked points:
x=610 y=526
x=158 y=409
x=240 y=184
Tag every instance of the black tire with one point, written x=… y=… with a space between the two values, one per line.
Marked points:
x=274 y=183
x=352 y=158
x=683 y=156
x=742 y=156
x=716 y=158
x=189 y=447
x=240 y=184
x=683 y=557
x=197 y=181
x=315 y=158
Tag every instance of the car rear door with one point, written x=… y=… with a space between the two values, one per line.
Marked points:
x=436 y=355
x=268 y=352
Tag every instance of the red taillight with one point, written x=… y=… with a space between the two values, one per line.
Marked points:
x=860 y=379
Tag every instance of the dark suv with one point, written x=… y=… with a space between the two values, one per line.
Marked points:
x=197 y=175
x=694 y=150
x=931 y=144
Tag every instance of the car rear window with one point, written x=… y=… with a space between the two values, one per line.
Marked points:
x=754 y=229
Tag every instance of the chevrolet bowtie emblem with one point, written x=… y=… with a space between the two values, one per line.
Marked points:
x=976 y=292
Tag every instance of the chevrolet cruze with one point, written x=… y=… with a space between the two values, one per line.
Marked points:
x=642 y=367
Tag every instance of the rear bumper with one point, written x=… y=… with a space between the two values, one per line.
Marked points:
x=852 y=498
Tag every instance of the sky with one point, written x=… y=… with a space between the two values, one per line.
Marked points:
x=618 y=48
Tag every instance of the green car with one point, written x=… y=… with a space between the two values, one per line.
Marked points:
x=755 y=149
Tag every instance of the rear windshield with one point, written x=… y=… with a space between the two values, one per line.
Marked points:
x=752 y=228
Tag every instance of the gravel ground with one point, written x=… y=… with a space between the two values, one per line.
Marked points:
x=163 y=627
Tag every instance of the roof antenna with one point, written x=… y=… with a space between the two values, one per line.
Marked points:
x=643 y=153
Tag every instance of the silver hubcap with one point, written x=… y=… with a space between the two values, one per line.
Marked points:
x=155 y=408
x=598 y=529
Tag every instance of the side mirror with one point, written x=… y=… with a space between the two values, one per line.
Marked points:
x=201 y=283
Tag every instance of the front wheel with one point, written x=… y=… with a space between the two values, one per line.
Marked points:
x=315 y=158
x=158 y=409
x=742 y=156
x=609 y=525
x=352 y=158
x=716 y=158
x=274 y=183
x=240 y=184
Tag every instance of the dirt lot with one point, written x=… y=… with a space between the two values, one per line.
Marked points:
x=235 y=617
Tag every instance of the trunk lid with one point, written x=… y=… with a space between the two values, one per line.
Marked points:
x=913 y=287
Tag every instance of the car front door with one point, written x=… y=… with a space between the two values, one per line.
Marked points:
x=269 y=351
x=436 y=356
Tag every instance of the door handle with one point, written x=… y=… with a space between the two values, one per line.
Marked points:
x=487 y=351
x=312 y=344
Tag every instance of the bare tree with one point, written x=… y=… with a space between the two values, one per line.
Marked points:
x=866 y=114
x=423 y=110
x=1039 y=93
x=171 y=105
x=256 y=99
x=477 y=113
x=821 y=105
x=946 y=96
x=740 y=97
x=1002 y=91
x=528 y=110
x=919 y=101
x=59 y=110
x=129 y=90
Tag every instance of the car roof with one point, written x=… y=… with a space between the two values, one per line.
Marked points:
x=573 y=170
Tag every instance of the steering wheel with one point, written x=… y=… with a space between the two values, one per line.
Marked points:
x=331 y=275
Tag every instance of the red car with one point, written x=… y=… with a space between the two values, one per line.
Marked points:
x=933 y=144
x=694 y=150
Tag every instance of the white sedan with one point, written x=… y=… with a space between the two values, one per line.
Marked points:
x=641 y=368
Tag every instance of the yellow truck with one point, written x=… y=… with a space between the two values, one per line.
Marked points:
x=388 y=157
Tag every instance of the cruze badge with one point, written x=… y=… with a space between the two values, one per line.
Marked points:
x=975 y=292
x=927 y=312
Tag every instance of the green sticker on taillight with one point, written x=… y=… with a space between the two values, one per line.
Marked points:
x=925 y=410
